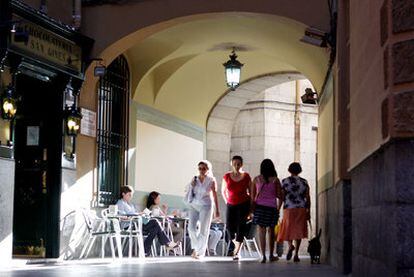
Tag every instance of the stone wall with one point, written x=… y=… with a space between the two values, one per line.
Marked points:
x=334 y=220
x=382 y=212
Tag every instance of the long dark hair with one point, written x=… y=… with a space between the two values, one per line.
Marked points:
x=151 y=198
x=267 y=169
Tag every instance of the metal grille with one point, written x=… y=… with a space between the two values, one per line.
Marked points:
x=112 y=130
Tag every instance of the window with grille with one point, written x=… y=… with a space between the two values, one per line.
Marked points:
x=112 y=131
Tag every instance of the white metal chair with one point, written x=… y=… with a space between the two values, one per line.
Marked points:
x=224 y=245
x=251 y=247
x=166 y=227
x=133 y=235
x=96 y=227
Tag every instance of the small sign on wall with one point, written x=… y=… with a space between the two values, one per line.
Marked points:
x=88 y=123
x=32 y=138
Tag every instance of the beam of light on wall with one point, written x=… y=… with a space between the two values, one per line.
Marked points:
x=6 y=243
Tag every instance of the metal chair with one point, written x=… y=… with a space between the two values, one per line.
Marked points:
x=224 y=245
x=249 y=242
x=250 y=246
x=133 y=234
x=97 y=227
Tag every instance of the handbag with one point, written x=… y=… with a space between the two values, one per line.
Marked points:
x=189 y=193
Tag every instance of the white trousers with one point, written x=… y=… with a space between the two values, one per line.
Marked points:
x=199 y=214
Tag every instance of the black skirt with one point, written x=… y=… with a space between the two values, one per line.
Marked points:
x=265 y=216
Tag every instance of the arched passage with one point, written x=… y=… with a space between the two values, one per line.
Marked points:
x=177 y=74
x=264 y=118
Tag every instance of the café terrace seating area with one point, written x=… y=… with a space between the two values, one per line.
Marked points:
x=104 y=237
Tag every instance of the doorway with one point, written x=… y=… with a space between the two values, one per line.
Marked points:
x=38 y=151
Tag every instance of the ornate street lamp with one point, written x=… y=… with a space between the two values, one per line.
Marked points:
x=8 y=104
x=233 y=71
x=73 y=118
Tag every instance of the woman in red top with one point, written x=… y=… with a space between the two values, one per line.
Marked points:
x=236 y=193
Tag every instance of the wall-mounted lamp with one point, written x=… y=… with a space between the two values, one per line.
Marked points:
x=100 y=68
x=73 y=118
x=233 y=71
x=315 y=37
x=310 y=97
x=8 y=103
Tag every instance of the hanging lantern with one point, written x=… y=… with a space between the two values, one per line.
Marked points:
x=72 y=120
x=233 y=71
x=8 y=104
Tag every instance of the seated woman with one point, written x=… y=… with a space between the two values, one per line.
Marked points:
x=153 y=204
x=152 y=227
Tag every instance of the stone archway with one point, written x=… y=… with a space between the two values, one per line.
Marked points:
x=263 y=118
x=224 y=114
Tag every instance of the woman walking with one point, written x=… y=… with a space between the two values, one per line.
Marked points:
x=267 y=199
x=202 y=193
x=236 y=193
x=296 y=210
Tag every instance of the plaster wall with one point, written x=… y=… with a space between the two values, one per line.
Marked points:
x=165 y=160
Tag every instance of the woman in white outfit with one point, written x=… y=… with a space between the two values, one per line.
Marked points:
x=203 y=192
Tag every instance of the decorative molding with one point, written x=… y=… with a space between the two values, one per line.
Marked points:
x=169 y=122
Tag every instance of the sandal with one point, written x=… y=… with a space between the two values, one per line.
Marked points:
x=290 y=252
x=273 y=258
x=236 y=256
x=173 y=245
x=263 y=261
x=195 y=255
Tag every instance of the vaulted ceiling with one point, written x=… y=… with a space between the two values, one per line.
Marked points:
x=179 y=70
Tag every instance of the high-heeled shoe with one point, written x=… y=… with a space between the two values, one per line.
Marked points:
x=290 y=252
x=273 y=258
x=172 y=245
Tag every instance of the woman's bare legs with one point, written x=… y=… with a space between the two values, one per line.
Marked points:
x=271 y=236
x=262 y=239
x=297 y=245
x=237 y=246
x=291 y=248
